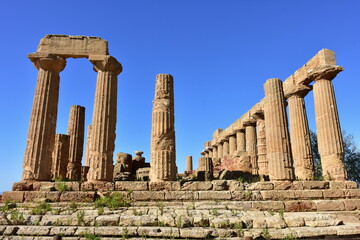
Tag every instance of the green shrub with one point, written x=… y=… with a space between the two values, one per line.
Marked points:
x=41 y=209
x=113 y=201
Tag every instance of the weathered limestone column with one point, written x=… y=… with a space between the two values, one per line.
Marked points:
x=189 y=164
x=261 y=145
x=250 y=145
x=329 y=135
x=226 y=147
x=240 y=140
x=88 y=141
x=277 y=134
x=41 y=135
x=220 y=150
x=60 y=156
x=163 y=163
x=300 y=134
x=215 y=152
x=232 y=145
x=76 y=132
x=103 y=124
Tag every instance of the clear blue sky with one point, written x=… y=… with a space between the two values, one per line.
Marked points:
x=219 y=52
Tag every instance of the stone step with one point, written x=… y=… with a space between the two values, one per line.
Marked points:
x=41 y=232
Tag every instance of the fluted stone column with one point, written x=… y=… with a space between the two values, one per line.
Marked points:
x=103 y=124
x=163 y=163
x=329 y=135
x=210 y=152
x=189 y=164
x=240 y=140
x=215 y=152
x=220 y=150
x=261 y=146
x=226 y=148
x=300 y=134
x=76 y=133
x=250 y=145
x=277 y=134
x=88 y=141
x=60 y=156
x=40 y=142
x=232 y=145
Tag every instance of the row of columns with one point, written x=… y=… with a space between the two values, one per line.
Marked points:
x=265 y=136
x=40 y=146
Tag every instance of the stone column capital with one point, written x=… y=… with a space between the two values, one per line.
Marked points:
x=105 y=63
x=259 y=115
x=299 y=90
x=249 y=122
x=240 y=130
x=325 y=72
x=47 y=62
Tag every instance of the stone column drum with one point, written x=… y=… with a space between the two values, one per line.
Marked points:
x=88 y=141
x=277 y=134
x=261 y=147
x=103 y=124
x=250 y=146
x=76 y=133
x=329 y=135
x=60 y=156
x=232 y=145
x=163 y=162
x=226 y=148
x=240 y=140
x=300 y=134
x=220 y=150
x=189 y=164
x=41 y=135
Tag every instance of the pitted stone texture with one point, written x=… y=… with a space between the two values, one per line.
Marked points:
x=40 y=142
x=76 y=133
x=163 y=162
x=277 y=134
x=103 y=124
x=123 y=167
x=60 y=156
x=189 y=164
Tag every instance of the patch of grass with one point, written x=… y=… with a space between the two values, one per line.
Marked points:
x=41 y=209
x=179 y=222
x=290 y=237
x=57 y=211
x=62 y=187
x=114 y=201
x=214 y=211
x=238 y=227
x=17 y=217
x=73 y=206
x=125 y=233
x=265 y=234
x=281 y=213
x=88 y=236
x=80 y=217
x=271 y=212
x=247 y=195
x=101 y=210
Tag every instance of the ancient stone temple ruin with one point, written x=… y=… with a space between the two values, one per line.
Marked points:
x=255 y=179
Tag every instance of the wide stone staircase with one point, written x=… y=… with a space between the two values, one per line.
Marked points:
x=221 y=209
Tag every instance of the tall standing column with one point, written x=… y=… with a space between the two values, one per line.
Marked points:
x=76 y=133
x=277 y=134
x=88 y=141
x=232 y=145
x=220 y=150
x=40 y=142
x=250 y=145
x=189 y=164
x=103 y=124
x=261 y=146
x=215 y=152
x=163 y=162
x=60 y=156
x=240 y=140
x=225 y=148
x=300 y=134
x=329 y=135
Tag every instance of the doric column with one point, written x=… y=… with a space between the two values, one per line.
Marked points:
x=329 y=135
x=261 y=145
x=220 y=150
x=215 y=152
x=60 y=156
x=232 y=145
x=250 y=145
x=76 y=133
x=240 y=140
x=40 y=142
x=163 y=163
x=88 y=141
x=277 y=134
x=226 y=147
x=103 y=124
x=189 y=164
x=206 y=153
x=300 y=133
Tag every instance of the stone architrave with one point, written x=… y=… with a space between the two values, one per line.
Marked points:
x=329 y=135
x=277 y=134
x=225 y=147
x=240 y=140
x=37 y=163
x=76 y=133
x=163 y=162
x=103 y=124
x=189 y=164
x=232 y=145
x=60 y=156
x=300 y=133
x=250 y=138
x=261 y=145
